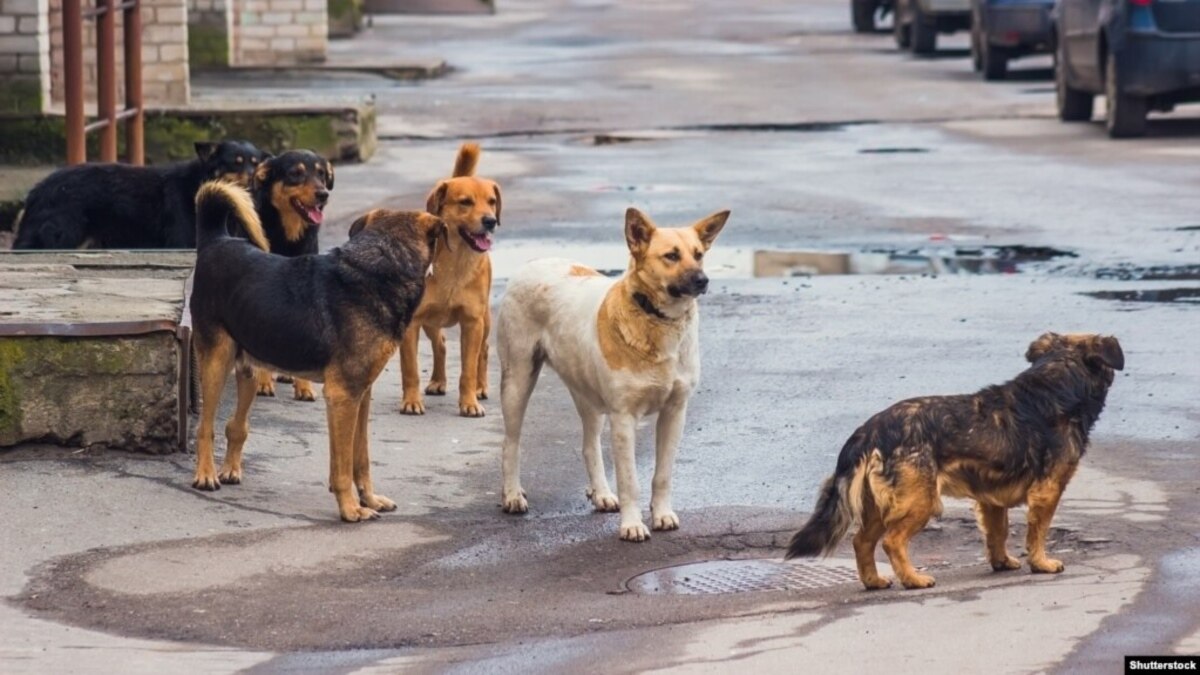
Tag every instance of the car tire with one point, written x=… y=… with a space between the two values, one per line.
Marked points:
x=1126 y=114
x=1073 y=105
x=862 y=13
x=924 y=33
x=995 y=63
x=900 y=31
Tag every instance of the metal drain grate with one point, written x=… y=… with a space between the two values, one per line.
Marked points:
x=743 y=576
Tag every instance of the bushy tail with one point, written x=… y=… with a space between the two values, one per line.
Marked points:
x=838 y=508
x=468 y=158
x=217 y=203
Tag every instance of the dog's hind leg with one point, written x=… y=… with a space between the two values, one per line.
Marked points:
x=342 y=410
x=624 y=429
x=913 y=501
x=214 y=360
x=865 y=540
x=1043 y=497
x=362 y=462
x=437 y=381
x=667 y=432
x=993 y=522
x=519 y=370
x=238 y=427
x=410 y=374
x=600 y=494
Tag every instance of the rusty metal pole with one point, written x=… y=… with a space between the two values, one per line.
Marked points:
x=134 y=126
x=73 y=80
x=106 y=77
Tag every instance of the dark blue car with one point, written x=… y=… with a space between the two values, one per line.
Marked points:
x=1002 y=30
x=1142 y=55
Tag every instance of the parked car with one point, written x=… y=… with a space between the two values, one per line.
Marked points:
x=863 y=13
x=1002 y=30
x=917 y=22
x=1141 y=54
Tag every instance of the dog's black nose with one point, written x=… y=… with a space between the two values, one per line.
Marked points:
x=322 y=196
x=699 y=283
x=490 y=223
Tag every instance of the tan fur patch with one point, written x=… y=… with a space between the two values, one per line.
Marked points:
x=281 y=198
x=581 y=271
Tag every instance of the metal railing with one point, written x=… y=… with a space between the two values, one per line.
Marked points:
x=106 y=81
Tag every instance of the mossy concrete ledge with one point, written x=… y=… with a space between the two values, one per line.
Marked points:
x=91 y=350
x=341 y=131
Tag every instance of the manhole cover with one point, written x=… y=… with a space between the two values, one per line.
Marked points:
x=743 y=576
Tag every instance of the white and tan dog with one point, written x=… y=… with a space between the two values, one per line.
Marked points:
x=626 y=350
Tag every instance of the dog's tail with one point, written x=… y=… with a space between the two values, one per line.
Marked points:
x=219 y=202
x=468 y=158
x=839 y=506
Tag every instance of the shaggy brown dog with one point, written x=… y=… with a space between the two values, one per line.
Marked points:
x=459 y=290
x=1015 y=443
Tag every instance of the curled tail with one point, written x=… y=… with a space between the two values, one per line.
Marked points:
x=468 y=158
x=219 y=202
x=838 y=508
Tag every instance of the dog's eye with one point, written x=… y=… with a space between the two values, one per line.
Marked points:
x=239 y=159
x=699 y=256
x=673 y=256
x=491 y=201
x=254 y=160
x=467 y=202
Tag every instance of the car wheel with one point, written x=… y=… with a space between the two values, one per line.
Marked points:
x=924 y=33
x=900 y=30
x=862 y=12
x=1073 y=105
x=1126 y=114
x=995 y=62
x=976 y=50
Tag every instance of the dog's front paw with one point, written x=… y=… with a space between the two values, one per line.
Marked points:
x=302 y=390
x=915 y=581
x=667 y=520
x=1046 y=565
x=206 y=479
x=358 y=514
x=481 y=394
x=230 y=475
x=436 y=389
x=604 y=500
x=1010 y=563
x=515 y=502
x=266 y=388
x=468 y=408
x=877 y=583
x=377 y=503
x=634 y=532
x=412 y=407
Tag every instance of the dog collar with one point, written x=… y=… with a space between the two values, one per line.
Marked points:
x=648 y=307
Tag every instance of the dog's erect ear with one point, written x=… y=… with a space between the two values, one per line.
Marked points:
x=496 y=188
x=361 y=224
x=1042 y=346
x=205 y=150
x=638 y=231
x=710 y=227
x=1106 y=350
x=437 y=199
x=329 y=175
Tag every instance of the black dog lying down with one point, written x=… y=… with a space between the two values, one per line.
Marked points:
x=121 y=206
x=1006 y=445
x=335 y=318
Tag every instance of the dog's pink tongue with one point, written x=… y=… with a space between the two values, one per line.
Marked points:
x=483 y=241
x=315 y=215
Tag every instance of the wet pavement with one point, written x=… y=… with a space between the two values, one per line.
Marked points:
x=899 y=228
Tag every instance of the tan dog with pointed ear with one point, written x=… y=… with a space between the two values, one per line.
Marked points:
x=625 y=350
x=459 y=289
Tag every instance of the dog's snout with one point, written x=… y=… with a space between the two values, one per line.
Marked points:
x=699 y=283
x=490 y=223
x=322 y=195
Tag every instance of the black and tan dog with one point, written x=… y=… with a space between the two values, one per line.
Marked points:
x=122 y=206
x=1015 y=443
x=335 y=318
x=290 y=193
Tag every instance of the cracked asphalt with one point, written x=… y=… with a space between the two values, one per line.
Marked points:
x=817 y=139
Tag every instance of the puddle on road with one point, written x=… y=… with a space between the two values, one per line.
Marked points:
x=1188 y=295
x=750 y=262
x=1155 y=273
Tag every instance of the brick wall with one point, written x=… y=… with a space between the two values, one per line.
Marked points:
x=164 y=54
x=279 y=32
x=24 y=56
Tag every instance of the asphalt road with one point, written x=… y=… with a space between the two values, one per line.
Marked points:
x=817 y=139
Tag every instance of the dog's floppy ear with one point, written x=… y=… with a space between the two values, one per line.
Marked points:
x=710 y=227
x=496 y=188
x=1106 y=350
x=638 y=231
x=362 y=222
x=437 y=198
x=1042 y=346
x=262 y=174
x=205 y=150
